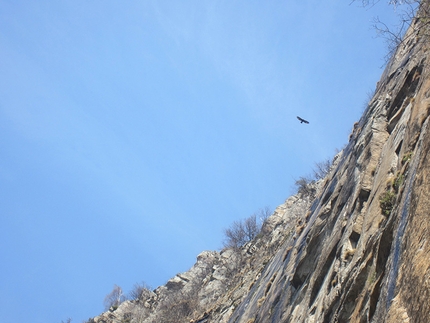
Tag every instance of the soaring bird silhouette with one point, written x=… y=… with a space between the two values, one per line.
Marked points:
x=302 y=120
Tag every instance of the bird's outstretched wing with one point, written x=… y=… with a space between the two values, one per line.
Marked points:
x=302 y=120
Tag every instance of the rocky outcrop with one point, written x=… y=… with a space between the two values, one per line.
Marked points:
x=357 y=252
x=218 y=281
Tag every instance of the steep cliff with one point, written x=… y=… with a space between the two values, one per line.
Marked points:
x=357 y=252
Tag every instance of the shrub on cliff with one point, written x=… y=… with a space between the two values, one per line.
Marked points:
x=305 y=187
x=409 y=12
x=114 y=298
x=179 y=306
x=386 y=202
x=322 y=169
x=243 y=231
x=140 y=291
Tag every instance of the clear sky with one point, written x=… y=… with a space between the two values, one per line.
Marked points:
x=133 y=132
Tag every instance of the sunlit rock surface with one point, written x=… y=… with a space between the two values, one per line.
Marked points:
x=358 y=252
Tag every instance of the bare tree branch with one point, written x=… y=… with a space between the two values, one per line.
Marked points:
x=114 y=298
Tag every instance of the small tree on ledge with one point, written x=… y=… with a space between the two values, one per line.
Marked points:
x=114 y=298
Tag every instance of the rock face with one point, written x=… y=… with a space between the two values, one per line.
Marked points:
x=357 y=252
x=219 y=281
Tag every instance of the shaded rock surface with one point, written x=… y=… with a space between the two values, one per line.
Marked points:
x=357 y=252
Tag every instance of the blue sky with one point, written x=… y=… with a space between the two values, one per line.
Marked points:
x=133 y=132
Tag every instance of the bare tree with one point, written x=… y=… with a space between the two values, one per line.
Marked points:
x=245 y=230
x=140 y=291
x=114 y=298
x=321 y=169
x=394 y=3
x=251 y=227
x=414 y=13
x=235 y=235
x=263 y=214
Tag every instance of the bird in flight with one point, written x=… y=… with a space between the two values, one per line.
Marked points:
x=302 y=120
